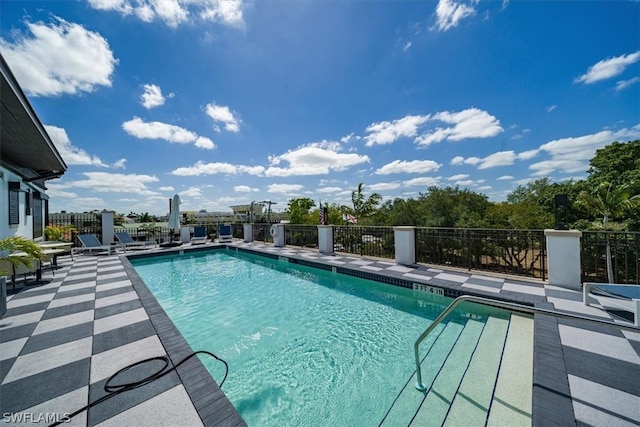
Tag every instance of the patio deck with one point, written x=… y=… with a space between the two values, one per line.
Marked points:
x=61 y=340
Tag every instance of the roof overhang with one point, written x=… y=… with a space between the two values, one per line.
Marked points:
x=25 y=146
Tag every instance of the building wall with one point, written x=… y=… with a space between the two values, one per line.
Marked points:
x=25 y=226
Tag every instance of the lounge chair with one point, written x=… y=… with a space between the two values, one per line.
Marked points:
x=126 y=241
x=199 y=235
x=91 y=243
x=224 y=234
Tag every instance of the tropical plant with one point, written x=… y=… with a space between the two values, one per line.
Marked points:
x=59 y=232
x=608 y=202
x=363 y=207
x=10 y=245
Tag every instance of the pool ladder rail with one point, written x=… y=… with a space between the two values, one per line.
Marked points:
x=480 y=371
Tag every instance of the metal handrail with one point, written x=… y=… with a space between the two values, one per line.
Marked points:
x=499 y=304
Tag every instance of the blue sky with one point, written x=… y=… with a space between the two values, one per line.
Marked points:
x=229 y=101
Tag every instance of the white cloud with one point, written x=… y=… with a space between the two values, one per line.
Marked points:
x=82 y=61
x=201 y=168
x=284 y=188
x=457 y=160
x=623 y=84
x=500 y=158
x=245 y=189
x=426 y=181
x=349 y=138
x=458 y=177
x=384 y=186
x=550 y=108
x=72 y=155
x=104 y=182
x=166 y=188
x=608 y=68
x=505 y=178
x=449 y=13
x=317 y=158
x=221 y=113
x=152 y=96
x=328 y=190
x=571 y=155
x=171 y=133
x=195 y=192
x=387 y=132
x=469 y=123
x=176 y=12
x=529 y=154
x=413 y=166
x=406 y=46
x=120 y=164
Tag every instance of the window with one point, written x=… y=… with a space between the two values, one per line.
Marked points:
x=14 y=203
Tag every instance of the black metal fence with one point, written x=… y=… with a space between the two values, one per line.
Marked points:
x=518 y=252
x=365 y=241
x=261 y=232
x=624 y=249
x=305 y=236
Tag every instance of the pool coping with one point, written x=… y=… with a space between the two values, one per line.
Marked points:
x=551 y=402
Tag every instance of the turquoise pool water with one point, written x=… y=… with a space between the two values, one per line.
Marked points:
x=304 y=346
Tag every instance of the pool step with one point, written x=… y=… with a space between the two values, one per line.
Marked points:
x=409 y=399
x=479 y=375
x=512 y=398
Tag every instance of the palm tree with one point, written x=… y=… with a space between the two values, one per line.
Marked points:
x=608 y=202
x=364 y=207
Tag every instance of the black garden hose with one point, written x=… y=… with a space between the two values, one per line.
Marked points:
x=115 y=389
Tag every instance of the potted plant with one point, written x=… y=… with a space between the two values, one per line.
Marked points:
x=9 y=245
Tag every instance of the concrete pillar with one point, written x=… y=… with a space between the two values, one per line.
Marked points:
x=405 y=244
x=247 y=232
x=277 y=232
x=108 y=229
x=563 y=258
x=325 y=239
x=185 y=234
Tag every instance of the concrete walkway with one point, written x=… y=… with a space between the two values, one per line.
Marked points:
x=61 y=339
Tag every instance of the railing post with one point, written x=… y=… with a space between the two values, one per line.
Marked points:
x=108 y=229
x=405 y=244
x=563 y=252
x=325 y=239
x=247 y=232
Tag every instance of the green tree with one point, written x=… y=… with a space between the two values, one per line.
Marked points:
x=364 y=207
x=298 y=210
x=608 y=202
x=452 y=207
x=145 y=217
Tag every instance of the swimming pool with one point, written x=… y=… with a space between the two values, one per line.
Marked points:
x=304 y=346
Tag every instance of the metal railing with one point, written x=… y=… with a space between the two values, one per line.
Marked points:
x=624 y=249
x=261 y=232
x=517 y=252
x=301 y=235
x=499 y=304
x=365 y=241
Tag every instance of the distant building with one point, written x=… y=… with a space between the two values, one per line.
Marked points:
x=28 y=158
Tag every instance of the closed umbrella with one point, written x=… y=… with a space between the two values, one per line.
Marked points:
x=174 y=216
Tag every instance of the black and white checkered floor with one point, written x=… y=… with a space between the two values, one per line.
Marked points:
x=60 y=341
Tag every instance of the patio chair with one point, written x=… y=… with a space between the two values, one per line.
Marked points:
x=91 y=243
x=199 y=235
x=224 y=234
x=126 y=241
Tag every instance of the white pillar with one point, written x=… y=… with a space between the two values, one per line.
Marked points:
x=325 y=239
x=278 y=236
x=185 y=234
x=405 y=244
x=247 y=232
x=563 y=258
x=108 y=229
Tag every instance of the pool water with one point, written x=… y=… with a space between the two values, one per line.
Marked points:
x=304 y=346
